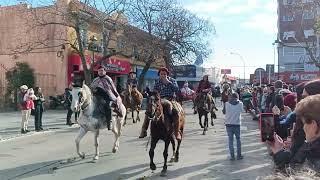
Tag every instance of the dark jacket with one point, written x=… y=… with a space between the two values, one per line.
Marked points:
x=308 y=153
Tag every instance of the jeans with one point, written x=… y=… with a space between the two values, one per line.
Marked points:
x=25 y=119
x=231 y=131
x=38 y=117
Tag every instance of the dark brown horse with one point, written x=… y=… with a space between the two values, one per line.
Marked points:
x=132 y=100
x=161 y=114
x=204 y=107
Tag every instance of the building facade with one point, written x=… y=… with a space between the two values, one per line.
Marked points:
x=296 y=20
x=56 y=65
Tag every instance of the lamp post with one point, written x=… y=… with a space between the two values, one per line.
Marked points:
x=93 y=47
x=244 y=66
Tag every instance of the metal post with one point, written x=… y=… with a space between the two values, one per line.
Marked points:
x=269 y=76
x=260 y=76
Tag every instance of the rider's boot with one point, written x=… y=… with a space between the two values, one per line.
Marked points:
x=108 y=117
x=144 y=128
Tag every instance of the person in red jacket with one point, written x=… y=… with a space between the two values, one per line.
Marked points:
x=204 y=87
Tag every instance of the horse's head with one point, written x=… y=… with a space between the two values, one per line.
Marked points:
x=153 y=105
x=80 y=96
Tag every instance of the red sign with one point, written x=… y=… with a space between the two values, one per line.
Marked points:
x=297 y=77
x=225 y=71
x=114 y=65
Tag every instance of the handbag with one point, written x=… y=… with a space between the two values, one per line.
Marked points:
x=33 y=112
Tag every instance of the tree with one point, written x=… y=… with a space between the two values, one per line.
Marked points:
x=174 y=34
x=81 y=16
x=21 y=74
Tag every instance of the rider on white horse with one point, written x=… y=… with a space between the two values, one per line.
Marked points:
x=104 y=82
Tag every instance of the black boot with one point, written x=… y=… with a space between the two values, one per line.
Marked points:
x=108 y=118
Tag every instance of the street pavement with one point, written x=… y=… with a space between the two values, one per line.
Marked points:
x=51 y=154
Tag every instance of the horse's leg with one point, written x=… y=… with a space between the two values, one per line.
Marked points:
x=154 y=142
x=165 y=157
x=132 y=115
x=82 y=132
x=117 y=132
x=205 y=124
x=96 y=144
x=213 y=116
x=138 y=117
x=125 y=119
x=200 y=121
x=173 y=143
x=177 y=152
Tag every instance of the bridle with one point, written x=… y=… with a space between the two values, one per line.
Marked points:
x=82 y=103
x=153 y=116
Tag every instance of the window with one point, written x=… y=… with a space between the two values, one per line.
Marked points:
x=288 y=2
x=289 y=34
x=308 y=33
x=307 y=14
x=293 y=51
x=295 y=67
x=287 y=18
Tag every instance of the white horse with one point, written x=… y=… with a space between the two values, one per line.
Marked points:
x=83 y=101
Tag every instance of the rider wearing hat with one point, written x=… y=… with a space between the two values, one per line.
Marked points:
x=132 y=80
x=204 y=87
x=167 y=87
x=104 y=82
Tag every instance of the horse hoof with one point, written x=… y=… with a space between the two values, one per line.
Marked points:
x=172 y=160
x=212 y=124
x=204 y=133
x=82 y=156
x=163 y=173
x=176 y=159
x=114 y=150
x=96 y=158
x=153 y=167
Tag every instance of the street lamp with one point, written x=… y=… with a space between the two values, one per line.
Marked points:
x=244 y=66
x=93 y=47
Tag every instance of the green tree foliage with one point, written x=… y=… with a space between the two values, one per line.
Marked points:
x=21 y=74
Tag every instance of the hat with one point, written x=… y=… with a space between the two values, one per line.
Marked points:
x=100 y=66
x=25 y=87
x=163 y=69
x=132 y=72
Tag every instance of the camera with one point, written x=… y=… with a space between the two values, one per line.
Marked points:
x=267 y=127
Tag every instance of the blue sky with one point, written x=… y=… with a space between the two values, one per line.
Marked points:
x=246 y=27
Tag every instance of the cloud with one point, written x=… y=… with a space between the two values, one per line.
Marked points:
x=264 y=22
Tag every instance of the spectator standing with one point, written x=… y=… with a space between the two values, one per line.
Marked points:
x=233 y=111
x=38 y=102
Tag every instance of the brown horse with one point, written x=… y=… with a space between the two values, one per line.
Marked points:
x=132 y=99
x=204 y=107
x=161 y=114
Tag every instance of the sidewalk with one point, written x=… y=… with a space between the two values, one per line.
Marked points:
x=10 y=124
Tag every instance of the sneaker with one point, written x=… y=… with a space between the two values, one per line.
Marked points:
x=239 y=157
x=232 y=159
x=27 y=131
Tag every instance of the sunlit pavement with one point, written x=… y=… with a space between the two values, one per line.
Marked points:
x=51 y=154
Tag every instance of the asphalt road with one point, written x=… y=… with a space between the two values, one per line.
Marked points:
x=51 y=154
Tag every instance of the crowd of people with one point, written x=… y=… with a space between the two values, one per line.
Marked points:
x=296 y=140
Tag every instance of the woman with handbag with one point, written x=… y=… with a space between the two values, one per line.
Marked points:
x=38 y=110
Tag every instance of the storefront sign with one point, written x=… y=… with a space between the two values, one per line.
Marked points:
x=297 y=77
x=114 y=65
x=185 y=71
